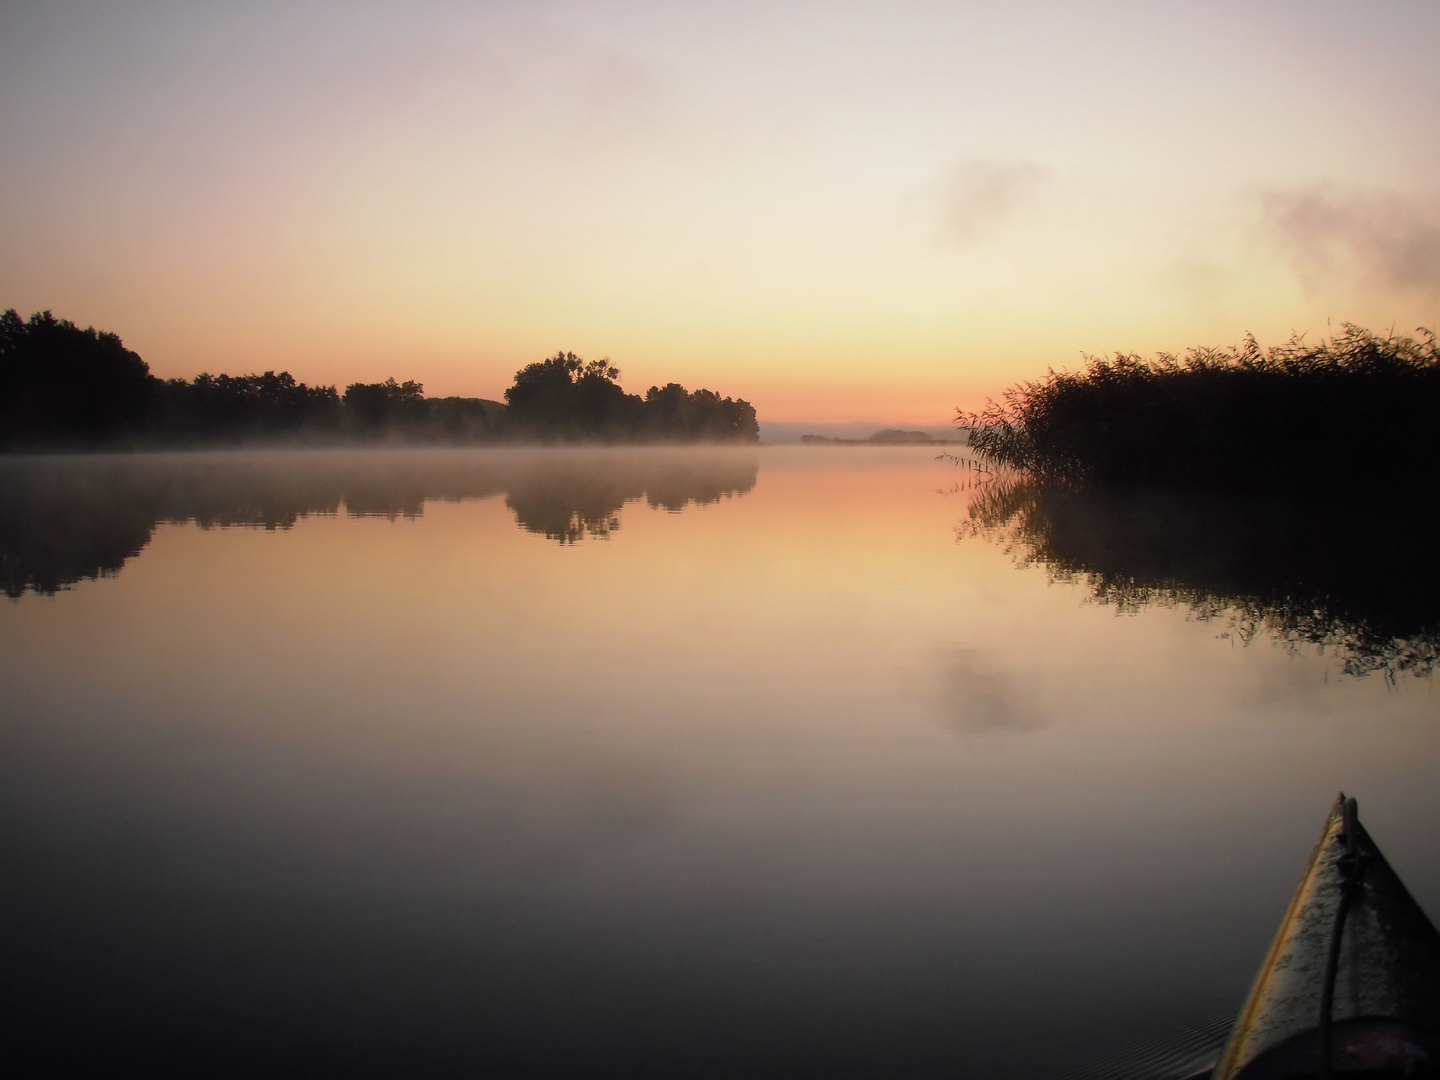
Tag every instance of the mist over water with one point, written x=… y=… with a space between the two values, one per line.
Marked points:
x=66 y=518
x=700 y=762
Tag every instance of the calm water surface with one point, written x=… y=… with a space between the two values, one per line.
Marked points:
x=763 y=762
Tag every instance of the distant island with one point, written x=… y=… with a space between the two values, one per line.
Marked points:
x=887 y=437
x=67 y=388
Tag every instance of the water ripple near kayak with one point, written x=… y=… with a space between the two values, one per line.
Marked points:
x=1189 y=1053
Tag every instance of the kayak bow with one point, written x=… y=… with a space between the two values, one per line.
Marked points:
x=1351 y=985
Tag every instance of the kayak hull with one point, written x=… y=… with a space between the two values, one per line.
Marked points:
x=1351 y=985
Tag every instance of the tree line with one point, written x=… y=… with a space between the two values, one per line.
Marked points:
x=566 y=397
x=64 y=387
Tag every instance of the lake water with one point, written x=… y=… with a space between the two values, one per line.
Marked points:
x=753 y=762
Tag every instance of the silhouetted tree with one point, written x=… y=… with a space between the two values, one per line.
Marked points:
x=375 y=406
x=563 y=397
x=464 y=420
x=63 y=387
x=60 y=384
x=673 y=413
x=238 y=407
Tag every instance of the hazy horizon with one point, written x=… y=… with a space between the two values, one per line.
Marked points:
x=832 y=211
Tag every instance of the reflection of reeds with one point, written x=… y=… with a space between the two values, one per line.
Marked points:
x=1357 y=407
x=975 y=473
x=1351 y=577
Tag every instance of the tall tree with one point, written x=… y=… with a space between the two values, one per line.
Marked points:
x=565 y=397
x=60 y=384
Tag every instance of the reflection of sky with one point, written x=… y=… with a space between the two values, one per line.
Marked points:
x=794 y=765
x=839 y=211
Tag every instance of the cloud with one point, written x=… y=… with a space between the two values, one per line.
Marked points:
x=978 y=195
x=1328 y=235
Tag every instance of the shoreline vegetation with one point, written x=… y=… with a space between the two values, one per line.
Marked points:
x=1282 y=491
x=63 y=388
x=887 y=437
x=1355 y=409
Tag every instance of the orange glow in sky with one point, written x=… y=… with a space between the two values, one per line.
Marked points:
x=840 y=212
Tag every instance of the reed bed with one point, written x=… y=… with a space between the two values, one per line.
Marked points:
x=1356 y=408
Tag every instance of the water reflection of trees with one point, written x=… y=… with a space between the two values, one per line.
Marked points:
x=66 y=519
x=1348 y=575
x=569 y=500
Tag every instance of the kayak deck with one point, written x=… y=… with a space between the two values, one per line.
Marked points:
x=1351 y=985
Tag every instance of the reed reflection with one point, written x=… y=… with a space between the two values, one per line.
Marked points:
x=1347 y=574
x=68 y=519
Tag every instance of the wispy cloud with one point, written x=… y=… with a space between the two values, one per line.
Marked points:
x=1371 y=239
x=977 y=195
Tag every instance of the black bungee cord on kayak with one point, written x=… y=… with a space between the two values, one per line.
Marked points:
x=1351 y=865
x=1389 y=1019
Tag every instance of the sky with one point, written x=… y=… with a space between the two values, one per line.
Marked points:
x=840 y=212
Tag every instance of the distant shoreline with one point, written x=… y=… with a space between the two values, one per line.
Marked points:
x=63 y=388
x=887 y=437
